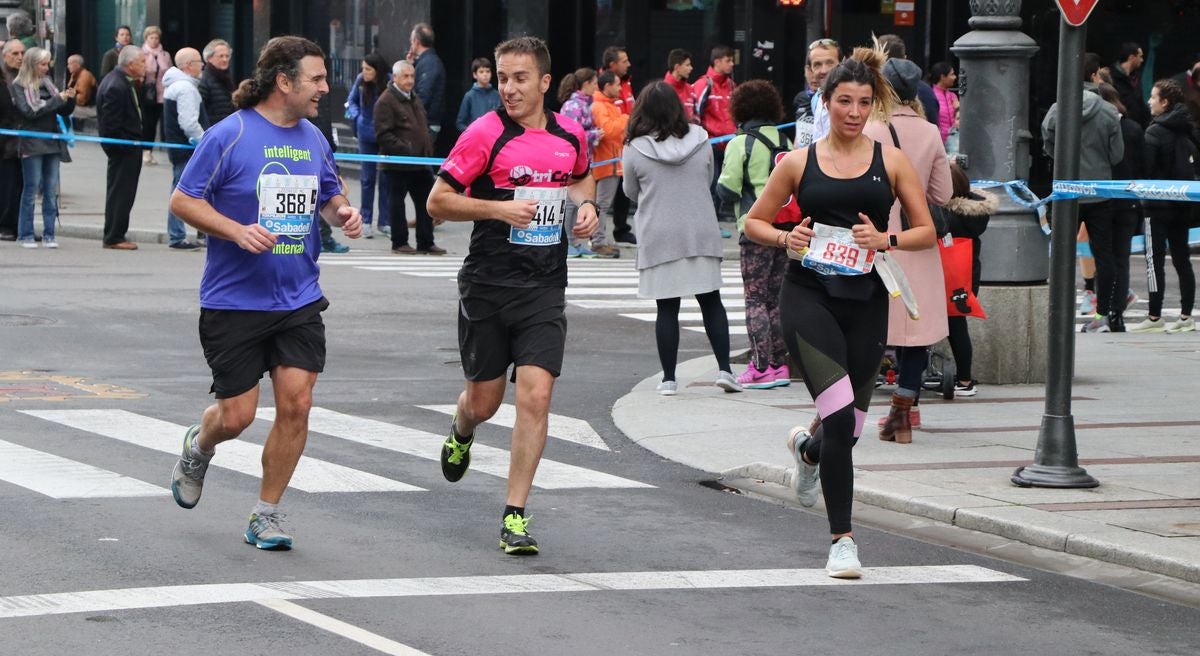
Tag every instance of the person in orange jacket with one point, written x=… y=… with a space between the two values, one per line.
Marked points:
x=608 y=116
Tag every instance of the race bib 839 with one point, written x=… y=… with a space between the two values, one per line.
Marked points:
x=832 y=251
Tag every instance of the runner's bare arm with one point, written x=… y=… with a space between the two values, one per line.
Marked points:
x=338 y=211
x=908 y=188
x=447 y=204
x=783 y=183
x=199 y=214
x=586 y=219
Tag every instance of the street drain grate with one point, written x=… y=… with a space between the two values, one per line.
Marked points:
x=25 y=320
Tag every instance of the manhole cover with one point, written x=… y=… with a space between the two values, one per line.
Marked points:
x=24 y=320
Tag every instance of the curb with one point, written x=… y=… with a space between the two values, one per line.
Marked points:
x=975 y=519
x=96 y=232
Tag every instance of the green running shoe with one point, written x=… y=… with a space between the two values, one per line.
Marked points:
x=515 y=538
x=456 y=456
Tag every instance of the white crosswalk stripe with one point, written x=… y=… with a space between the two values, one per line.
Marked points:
x=61 y=478
x=311 y=475
x=599 y=284
x=563 y=428
x=422 y=444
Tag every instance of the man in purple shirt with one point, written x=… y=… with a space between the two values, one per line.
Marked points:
x=255 y=185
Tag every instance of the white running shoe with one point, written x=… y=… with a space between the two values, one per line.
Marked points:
x=805 y=477
x=367 y=231
x=667 y=388
x=843 y=560
x=1147 y=326
x=1184 y=325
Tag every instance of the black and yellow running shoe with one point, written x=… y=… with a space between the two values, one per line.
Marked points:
x=515 y=538
x=456 y=456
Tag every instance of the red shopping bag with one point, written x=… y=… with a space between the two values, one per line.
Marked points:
x=956 y=267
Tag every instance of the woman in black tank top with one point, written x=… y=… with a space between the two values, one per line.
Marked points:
x=834 y=316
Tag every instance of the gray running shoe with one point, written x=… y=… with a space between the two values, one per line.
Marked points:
x=187 y=480
x=266 y=532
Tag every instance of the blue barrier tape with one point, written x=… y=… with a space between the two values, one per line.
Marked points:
x=71 y=137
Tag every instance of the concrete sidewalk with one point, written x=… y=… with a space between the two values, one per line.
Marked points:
x=1136 y=418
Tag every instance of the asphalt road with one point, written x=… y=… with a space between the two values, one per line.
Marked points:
x=656 y=564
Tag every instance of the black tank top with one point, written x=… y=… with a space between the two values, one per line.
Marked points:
x=837 y=202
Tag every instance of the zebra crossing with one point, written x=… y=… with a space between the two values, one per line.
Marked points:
x=599 y=284
x=60 y=477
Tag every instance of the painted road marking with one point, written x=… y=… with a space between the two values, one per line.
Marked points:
x=312 y=475
x=609 y=291
x=563 y=428
x=60 y=478
x=645 y=303
x=95 y=601
x=484 y=458
x=340 y=628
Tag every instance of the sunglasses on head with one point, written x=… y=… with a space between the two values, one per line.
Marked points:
x=823 y=43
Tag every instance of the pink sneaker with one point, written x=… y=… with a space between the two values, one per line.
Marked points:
x=753 y=378
x=783 y=377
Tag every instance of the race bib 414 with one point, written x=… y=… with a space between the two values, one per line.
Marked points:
x=547 y=225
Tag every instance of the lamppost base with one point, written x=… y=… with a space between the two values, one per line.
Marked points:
x=1053 y=476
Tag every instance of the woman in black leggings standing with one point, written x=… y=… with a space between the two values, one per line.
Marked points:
x=834 y=307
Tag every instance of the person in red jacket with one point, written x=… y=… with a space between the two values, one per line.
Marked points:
x=616 y=59
x=712 y=93
x=679 y=68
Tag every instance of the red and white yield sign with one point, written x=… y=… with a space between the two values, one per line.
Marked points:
x=1075 y=12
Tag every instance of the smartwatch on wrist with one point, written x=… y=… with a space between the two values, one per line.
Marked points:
x=893 y=242
x=592 y=203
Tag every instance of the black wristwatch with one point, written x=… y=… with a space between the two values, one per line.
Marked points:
x=893 y=242
x=592 y=203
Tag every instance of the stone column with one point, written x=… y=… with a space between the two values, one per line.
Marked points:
x=994 y=141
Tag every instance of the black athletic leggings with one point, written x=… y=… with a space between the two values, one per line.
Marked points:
x=838 y=344
x=716 y=326
x=1166 y=230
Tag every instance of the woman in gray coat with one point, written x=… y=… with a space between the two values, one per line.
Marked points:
x=40 y=104
x=668 y=165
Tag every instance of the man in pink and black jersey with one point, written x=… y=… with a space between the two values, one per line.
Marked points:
x=512 y=173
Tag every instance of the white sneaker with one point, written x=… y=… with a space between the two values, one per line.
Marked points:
x=367 y=231
x=805 y=477
x=1184 y=325
x=1147 y=326
x=29 y=243
x=727 y=382
x=843 y=560
x=49 y=243
x=667 y=388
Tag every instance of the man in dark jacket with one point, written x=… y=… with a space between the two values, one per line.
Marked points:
x=119 y=115
x=216 y=82
x=431 y=75
x=897 y=49
x=1128 y=83
x=10 y=161
x=401 y=128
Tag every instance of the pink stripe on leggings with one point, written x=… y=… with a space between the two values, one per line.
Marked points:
x=835 y=397
x=860 y=418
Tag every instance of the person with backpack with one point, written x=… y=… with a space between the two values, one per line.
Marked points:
x=1171 y=154
x=750 y=158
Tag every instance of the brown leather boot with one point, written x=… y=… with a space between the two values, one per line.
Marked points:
x=897 y=428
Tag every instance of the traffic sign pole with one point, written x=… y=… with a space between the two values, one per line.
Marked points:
x=1056 y=461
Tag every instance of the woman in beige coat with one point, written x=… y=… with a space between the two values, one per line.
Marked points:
x=922 y=143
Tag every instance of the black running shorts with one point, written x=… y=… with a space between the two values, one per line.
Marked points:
x=499 y=326
x=240 y=345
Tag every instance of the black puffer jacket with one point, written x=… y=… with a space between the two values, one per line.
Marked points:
x=216 y=91
x=1171 y=151
x=968 y=218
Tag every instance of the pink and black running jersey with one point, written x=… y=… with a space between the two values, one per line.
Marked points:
x=490 y=160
